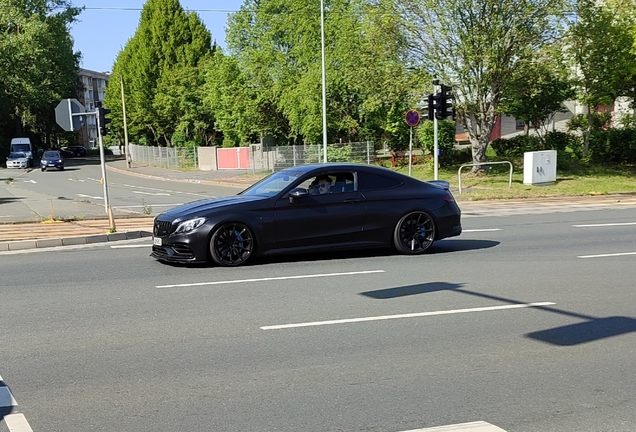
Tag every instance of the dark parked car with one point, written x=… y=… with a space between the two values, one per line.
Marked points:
x=367 y=206
x=66 y=153
x=77 y=150
x=51 y=159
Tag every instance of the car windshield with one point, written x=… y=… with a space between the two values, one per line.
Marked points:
x=21 y=147
x=273 y=184
x=51 y=154
x=17 y=155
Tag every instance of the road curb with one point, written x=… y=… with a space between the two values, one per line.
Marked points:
x=19 y=245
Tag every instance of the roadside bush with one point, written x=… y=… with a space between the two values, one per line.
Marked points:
x=445 y=139
x=516 y=146
x=613 y=146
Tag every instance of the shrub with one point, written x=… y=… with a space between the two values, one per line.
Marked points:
x=516 y=146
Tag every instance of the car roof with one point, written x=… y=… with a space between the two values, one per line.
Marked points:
x=323 y=168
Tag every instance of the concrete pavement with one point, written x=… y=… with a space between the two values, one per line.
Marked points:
x=35 y=223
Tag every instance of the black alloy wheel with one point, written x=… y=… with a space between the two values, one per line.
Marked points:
x=414 y=233
x=232 y=244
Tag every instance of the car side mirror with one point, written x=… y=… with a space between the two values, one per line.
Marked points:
x=297 y=193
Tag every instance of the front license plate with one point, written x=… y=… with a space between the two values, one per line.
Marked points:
x=156 y=241
x=51 y=164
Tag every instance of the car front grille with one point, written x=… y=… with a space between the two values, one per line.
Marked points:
x=162 y=228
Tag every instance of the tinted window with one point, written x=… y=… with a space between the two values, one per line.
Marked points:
x=368 y=181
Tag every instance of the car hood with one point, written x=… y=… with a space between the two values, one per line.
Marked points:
x=203 y=207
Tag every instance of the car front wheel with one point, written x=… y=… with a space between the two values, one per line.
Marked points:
x=414 y=233
x=232 y=244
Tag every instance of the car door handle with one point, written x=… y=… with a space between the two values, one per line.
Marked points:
x=352 y=201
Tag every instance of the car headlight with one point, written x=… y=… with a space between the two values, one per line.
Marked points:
x=189 y=225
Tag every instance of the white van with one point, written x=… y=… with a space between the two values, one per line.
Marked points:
x=23 y=145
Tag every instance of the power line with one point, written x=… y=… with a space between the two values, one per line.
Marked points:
x=140 y=9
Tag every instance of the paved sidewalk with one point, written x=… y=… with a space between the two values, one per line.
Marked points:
x=94 y=227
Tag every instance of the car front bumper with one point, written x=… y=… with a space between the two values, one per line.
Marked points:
x=17 y=165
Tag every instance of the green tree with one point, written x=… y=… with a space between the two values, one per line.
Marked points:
x=276 y=44
x=601 y=49
x=38 y=67
x=476 y=46
x=161 y=67
x=536 y=92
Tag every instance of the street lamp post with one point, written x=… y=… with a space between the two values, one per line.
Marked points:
x=324 y=85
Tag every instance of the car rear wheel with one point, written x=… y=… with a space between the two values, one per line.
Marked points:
x=232 y=244
x=414 y=233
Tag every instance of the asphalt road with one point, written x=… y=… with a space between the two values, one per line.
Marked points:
x=525 y=322
x=78 y=192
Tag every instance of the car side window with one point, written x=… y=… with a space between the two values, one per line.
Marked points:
x=368 y=182
x=332 y=183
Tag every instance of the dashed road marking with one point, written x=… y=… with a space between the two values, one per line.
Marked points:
x=409 y=315
x=607 y=255
x=479 y=426
x=481 y=230
x=270 y=279
x=604 y=225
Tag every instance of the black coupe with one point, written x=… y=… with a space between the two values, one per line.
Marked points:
x=306 y=209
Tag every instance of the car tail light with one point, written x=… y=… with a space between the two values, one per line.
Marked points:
x=449 y=197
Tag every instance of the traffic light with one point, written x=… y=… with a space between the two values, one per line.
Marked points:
x=446 y=108
x=103 y=120
x=434 y=105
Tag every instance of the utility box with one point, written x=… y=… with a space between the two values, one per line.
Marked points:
x=539 y=167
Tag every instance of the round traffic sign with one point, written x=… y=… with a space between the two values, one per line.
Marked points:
x=412 y=118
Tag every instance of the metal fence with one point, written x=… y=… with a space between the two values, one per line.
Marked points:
x=280 y=157
x=165 y=157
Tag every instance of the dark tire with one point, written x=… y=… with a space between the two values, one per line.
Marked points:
x=61 y=168
x=232 y=244
x=414 y=233
x=43 y=169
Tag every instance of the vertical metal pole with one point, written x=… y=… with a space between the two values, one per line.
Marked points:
x=123 y=109
x=109 y=211
x=435 y=144
x=411 y=151
x=324 y=84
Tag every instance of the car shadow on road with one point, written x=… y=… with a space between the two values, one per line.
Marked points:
x=590 y=329
x=10 y=199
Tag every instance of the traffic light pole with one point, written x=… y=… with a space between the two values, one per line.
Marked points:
x=109 y=211
x=435 y=138
x=435 y=147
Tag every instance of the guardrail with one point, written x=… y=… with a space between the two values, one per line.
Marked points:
x=459 y=172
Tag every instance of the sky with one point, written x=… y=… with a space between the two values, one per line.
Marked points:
x=105 y=26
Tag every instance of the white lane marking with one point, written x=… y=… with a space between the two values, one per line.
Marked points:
x=17 y=423
x=478 y=426
x=607 y=255
x=410 y=315
x=29 y=181
x=604 y=225
x=270 y=279
x=165 y=190
x=151 y=193
x=481 y=230
x=151 y=205
x=88 y=196
x=77 y=180
x=132 y=246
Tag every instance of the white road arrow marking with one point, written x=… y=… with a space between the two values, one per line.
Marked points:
x=88 y=196
x=151 y=193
